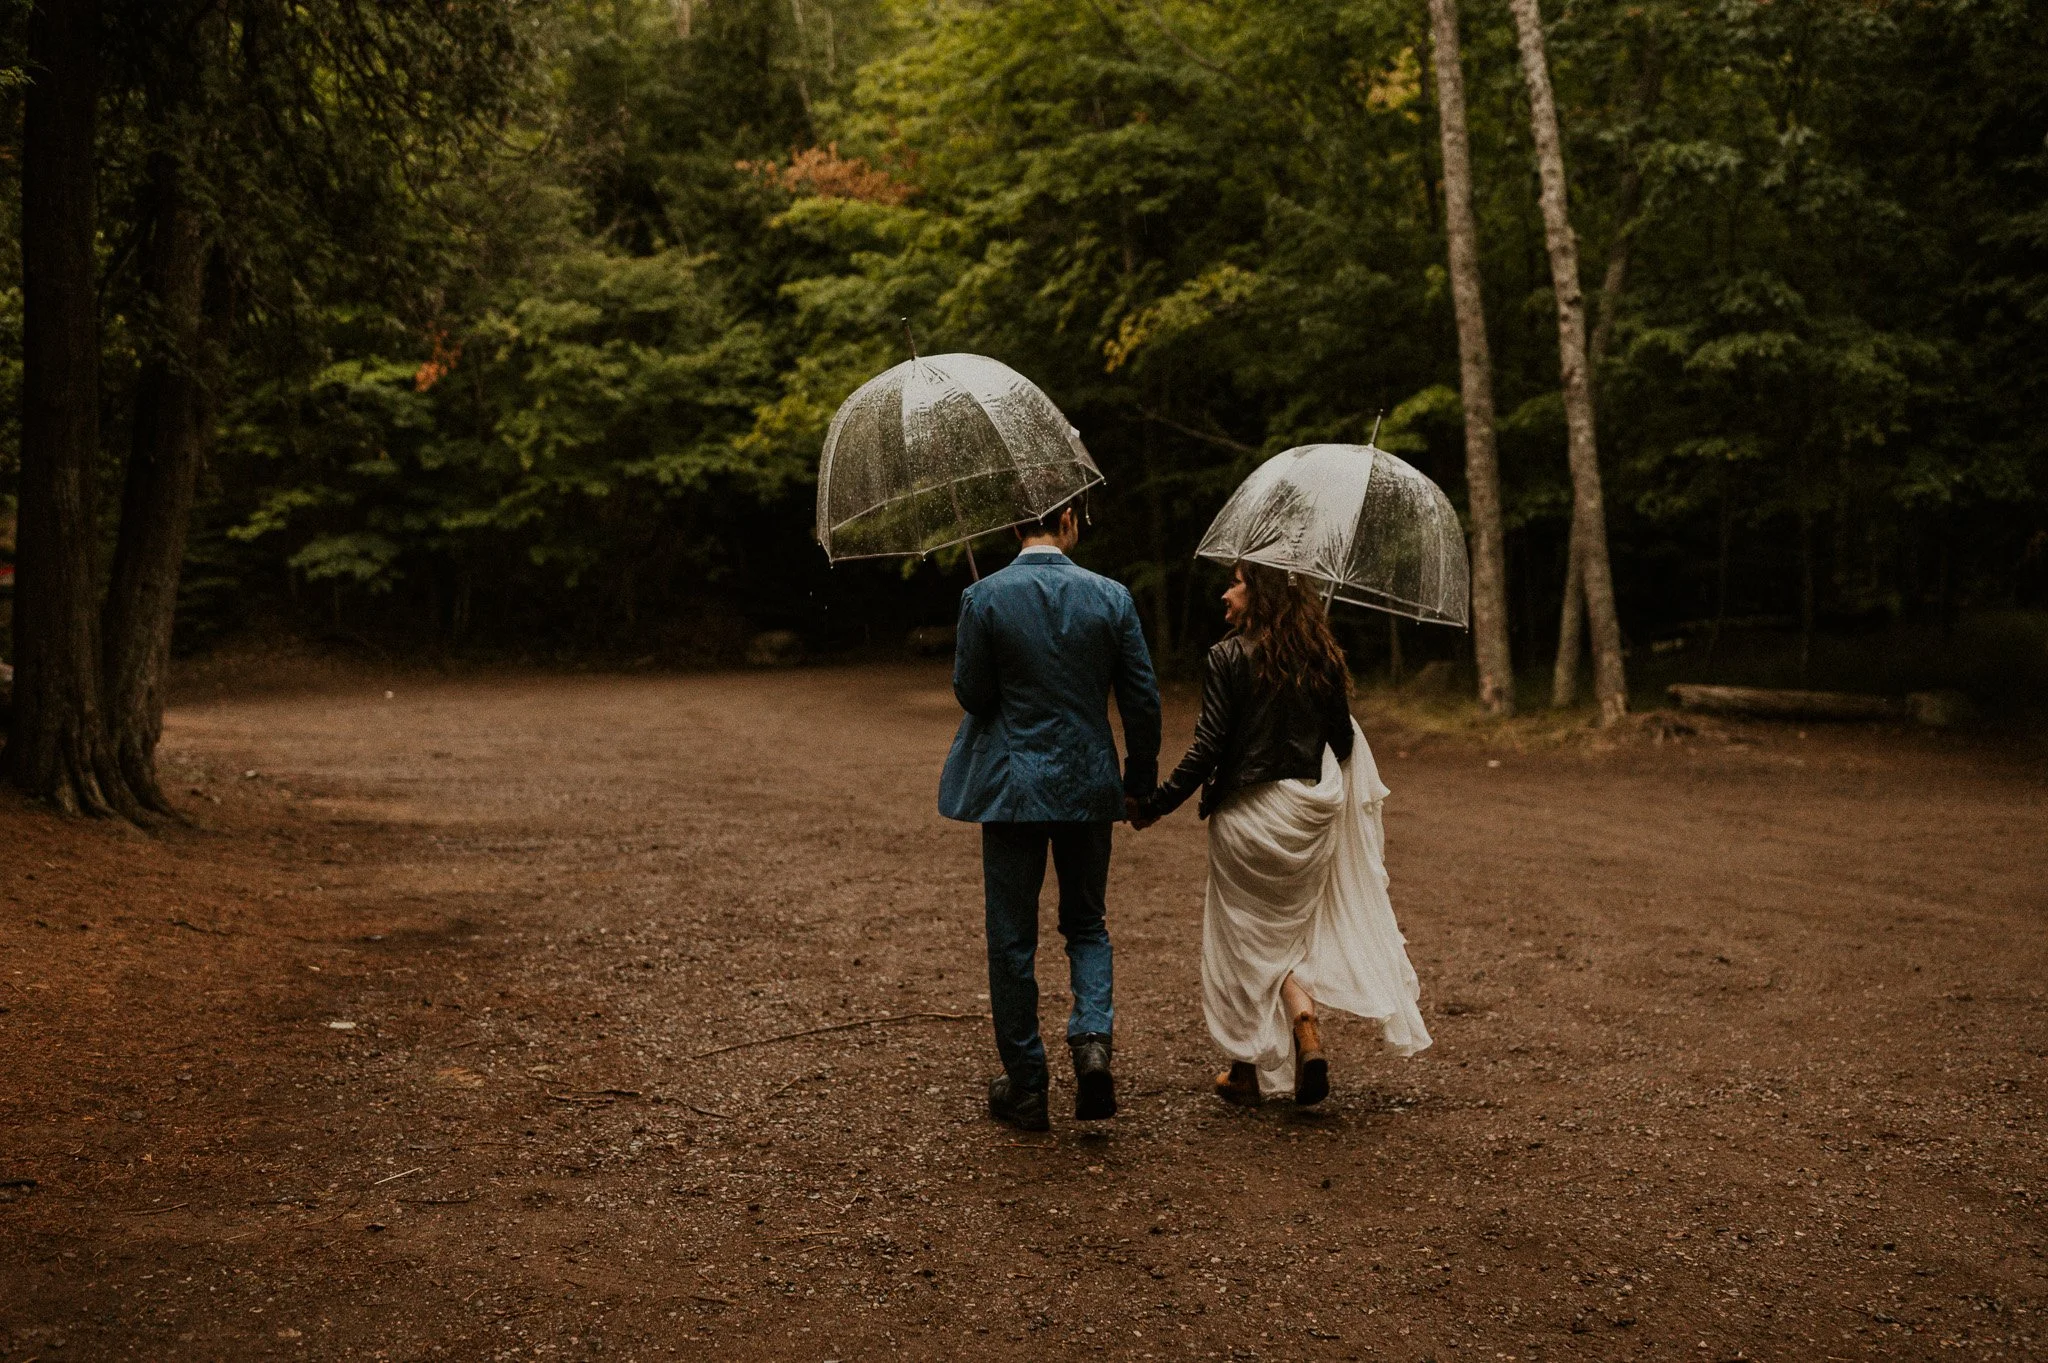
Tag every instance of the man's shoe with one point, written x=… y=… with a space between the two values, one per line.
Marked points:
x=1021 y=1108
x=1094 y=1087
x=1240 y=1084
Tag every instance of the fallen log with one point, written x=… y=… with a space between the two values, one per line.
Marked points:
x=1757 y=702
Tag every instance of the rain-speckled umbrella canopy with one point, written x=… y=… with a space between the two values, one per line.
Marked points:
x=1369 y=527
x=941 y=449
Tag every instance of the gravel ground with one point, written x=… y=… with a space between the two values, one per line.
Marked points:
x=400 y=1052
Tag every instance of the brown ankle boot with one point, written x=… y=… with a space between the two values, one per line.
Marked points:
x=1239 y=1084
x=1311 y=1069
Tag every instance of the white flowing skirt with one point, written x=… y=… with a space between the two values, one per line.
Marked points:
x=1298 y=882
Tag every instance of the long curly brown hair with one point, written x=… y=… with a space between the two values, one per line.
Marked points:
x=1290 y=633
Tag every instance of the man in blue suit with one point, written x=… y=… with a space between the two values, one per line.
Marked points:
x=1041 y=645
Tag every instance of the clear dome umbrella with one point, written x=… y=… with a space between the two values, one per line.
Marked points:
x=941 y=449
x=1370 y=528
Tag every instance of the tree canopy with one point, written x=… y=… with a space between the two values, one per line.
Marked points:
x=539 y=308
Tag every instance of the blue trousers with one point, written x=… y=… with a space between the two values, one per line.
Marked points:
x=1012 y=873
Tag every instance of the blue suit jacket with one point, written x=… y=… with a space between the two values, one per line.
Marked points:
x=1041 y=646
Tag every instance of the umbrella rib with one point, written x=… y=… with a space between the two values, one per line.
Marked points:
x=1372 y=466
x=1095 y=481
x=933 y=549
x=1422 y=610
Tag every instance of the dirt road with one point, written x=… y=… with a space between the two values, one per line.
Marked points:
x=1740 y=1053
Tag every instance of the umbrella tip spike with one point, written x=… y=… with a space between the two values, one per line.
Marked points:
x=1375 y=440
x=909 y=336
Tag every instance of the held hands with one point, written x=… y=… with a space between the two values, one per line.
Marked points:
x=1133 y=810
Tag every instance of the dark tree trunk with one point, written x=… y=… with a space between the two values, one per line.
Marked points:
x=57 y=747
x=1720 y=579
x=1805 y=593
x=1162 y=588
x=1155 y=525
x=1187 y=608
x=173 y=421
x=1944 y=600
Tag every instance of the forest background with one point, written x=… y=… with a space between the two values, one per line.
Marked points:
x=525 y=318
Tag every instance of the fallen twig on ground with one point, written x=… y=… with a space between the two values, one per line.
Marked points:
x=181 y=1046
x=155 y=1211
x=395 y=1177
x=842 y=1027
x=788 y=1086
x=707 y=1112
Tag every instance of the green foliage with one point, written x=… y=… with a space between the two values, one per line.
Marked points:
x=1211 y=230
x=561 y=425
x=556 y=347
x=544 y=389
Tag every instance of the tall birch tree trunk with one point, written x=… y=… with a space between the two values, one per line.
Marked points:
x=1610 y=682
x=1564 y=681
x=57 y=748
x=1475 y=373
x=1564 y=677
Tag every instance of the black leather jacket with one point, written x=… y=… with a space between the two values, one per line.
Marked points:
x=1249 y=733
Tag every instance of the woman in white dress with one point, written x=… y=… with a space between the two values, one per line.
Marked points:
x=1297 y=916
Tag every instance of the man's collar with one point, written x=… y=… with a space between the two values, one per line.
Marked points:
x=1041 y=549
